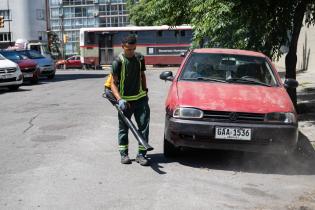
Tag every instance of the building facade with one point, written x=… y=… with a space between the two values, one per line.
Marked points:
x=23 y=19
x=68 y=16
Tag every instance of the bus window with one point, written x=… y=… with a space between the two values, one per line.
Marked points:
x=146 y=37
x=133 y=33
x=167 y=37
x=90 y=38
x=176 y=33
x=35 y=47
x=159 y=33
x=182 y=33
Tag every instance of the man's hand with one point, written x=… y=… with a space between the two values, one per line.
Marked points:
x=122 y=104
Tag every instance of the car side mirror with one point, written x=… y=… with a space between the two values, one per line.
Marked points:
x=167 y=75
x=291 y=83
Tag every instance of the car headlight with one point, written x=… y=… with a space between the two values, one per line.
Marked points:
x=284 y=117
x=18 y=68
x=184 y=112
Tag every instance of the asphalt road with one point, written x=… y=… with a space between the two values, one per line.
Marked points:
x=58 y=150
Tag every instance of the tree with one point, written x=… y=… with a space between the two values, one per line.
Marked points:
x=54 y=45
x=159 y=12
x=260 y=25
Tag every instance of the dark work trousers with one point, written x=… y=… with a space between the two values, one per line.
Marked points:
x=141 y=111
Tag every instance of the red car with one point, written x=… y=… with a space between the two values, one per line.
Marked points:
x=71 y=62
x=230 y=100
x=29 y=68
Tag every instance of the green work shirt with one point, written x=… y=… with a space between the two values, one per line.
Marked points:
x=129 y=85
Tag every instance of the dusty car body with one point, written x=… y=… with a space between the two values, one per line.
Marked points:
x=231 y=100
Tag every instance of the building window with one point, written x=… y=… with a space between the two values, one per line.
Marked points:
x=5 y=14
x=40 y=14
x=54 y=2
x=54 y=13
x=5 y=37
x=159 y=33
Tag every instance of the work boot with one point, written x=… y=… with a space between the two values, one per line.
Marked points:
x=125 y=159
x=142 y=160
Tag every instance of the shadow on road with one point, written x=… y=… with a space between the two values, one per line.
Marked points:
x=75 y=76
x=302 y=162
x=5 y=90
x=58 y=78
x=306 y=105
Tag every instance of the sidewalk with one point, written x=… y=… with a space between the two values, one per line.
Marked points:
x=306 y=104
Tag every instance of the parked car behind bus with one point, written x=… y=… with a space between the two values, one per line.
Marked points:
x=71 y=62
x=46 y=65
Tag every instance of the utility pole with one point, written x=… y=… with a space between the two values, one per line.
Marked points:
x=48 y=24
x=61 y=16
x=9 y=20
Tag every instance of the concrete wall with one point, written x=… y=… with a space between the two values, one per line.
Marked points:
x=28 y=18
x=306 y=41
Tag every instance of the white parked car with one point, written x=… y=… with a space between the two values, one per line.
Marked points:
x=10 y=74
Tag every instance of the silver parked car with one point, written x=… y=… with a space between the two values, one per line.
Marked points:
x=10 y=74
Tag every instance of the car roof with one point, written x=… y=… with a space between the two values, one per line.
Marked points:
x=9 y=51
x=229 y=51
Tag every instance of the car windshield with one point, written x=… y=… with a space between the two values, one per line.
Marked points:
x=32 y=54
x=228 y=69
x=11 y=55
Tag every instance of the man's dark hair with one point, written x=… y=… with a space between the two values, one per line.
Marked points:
x=130 y=39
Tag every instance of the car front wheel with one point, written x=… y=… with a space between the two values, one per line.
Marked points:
x=169 y=149
x=14 y=87
x=34 y=80
x=51 y=76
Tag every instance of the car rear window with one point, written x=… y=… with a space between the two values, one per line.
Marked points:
x=228 y=68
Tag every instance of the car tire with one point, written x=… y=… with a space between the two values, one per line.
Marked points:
x=14 y=87
x=51 y=76
x=169 y=149
x=34 y=80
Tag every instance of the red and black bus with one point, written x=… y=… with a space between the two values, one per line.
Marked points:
x=161 y=45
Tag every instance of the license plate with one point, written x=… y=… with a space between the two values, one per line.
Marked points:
x=47 y=69
x=27 y=75
x=7 y=76
x=234 y=133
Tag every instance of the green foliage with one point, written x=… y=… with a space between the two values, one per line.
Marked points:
x=159 y=12
x=142 y=13
x=260 y=25
x=54 y=45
